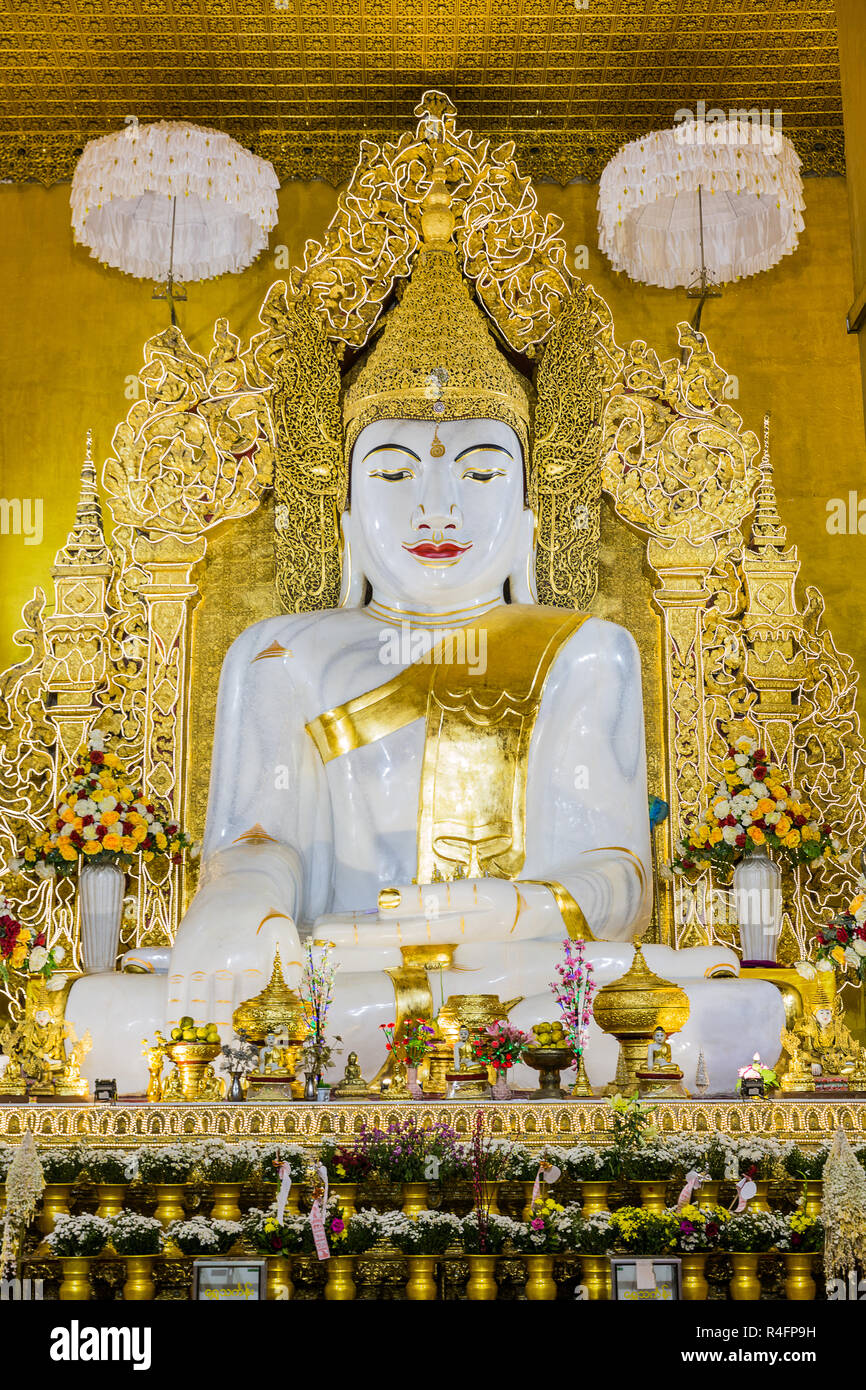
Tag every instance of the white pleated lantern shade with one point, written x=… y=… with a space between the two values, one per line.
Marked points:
x=751 y=201
x=128 y=186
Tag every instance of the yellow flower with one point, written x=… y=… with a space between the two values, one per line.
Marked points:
x=715 y=836
x=161 y=842
x=111 y=760
x=783 y=825
x=30 y=856
x=128 y=845
x=732 y=779
x=125 y=793
x=112 y=842
x=90 y=847
x=810 y=832
x=792 y=839
x=140 y=833
x=67 y=814
x=175 y=846
x=729 y=765
x=755 y=834
x=765 y=805
x=18 y=957
x=838 y=955
x=110 y=817
x=856 y=903
x=148 y=855
x=69 y=851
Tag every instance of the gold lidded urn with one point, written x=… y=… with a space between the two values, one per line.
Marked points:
x=473 y=1011
x=276 y=1009
x=632 y=1007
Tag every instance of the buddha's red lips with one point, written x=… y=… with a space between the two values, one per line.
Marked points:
x=444 y=550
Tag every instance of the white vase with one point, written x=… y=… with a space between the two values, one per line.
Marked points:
x=758 y=905
x=100 y=897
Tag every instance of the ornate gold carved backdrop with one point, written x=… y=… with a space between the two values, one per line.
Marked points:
x=693 y=559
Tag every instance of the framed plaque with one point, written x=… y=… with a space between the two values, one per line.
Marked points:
x=229 y=1281
x=655 y=1280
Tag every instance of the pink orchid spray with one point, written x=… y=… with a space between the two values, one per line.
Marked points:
x=573 y=993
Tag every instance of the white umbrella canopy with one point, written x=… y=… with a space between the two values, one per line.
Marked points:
x=173 y=201
x=738 y=183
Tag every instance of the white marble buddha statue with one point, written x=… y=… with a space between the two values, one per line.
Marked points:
x=437 y=760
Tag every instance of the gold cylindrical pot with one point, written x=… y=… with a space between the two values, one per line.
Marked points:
x=481 y=1287
x=594 y=1197
x=345 y=1193
x=760 y=1201
x=75 y=1283
x=745 y=1285
x=421 y=1285
x=111 y=1195
x=707 y=1195
x=799 y=1284
x=814 y=1196
x=414 y=1198
x=139 y=1286
x=490 y=1197
x=280 y=1286
x=526 y=1214
x=340 y=1287
x=652 y=1195
x=694 y=1278
x=540 y=1285
x=169 y=1202
x=595 y=1276
x=55 y=1202
x=226 y=1201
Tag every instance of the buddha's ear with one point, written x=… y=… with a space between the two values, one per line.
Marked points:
x=353 y=582
x=521 y=580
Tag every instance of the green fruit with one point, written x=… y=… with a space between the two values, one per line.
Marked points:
x=177 y=1034
x=189 y=1035
x=186 y=1021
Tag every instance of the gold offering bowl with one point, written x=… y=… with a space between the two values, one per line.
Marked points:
x=192 y=1059
x=473 y=1011
x=549 y=1062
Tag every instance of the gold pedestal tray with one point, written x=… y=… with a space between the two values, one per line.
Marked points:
x=192 y=1060
x=466 y=1085
x=549 y=1062
x=655 y=1085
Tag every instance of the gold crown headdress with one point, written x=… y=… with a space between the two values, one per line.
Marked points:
x=410 y=210
x=436 y=358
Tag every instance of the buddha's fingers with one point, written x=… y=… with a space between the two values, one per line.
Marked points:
x=463 y=896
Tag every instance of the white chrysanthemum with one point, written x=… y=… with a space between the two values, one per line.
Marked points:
x=97 y=741
x=89 y=832
x=805 y=968
x=85 y=807
x=860 y=947
x=56 y=982
x=38 y=957
x=722 y=809
x=108 y=803
x=730 y=833
x=773 y=817
x=67 y=829
x=741 y=759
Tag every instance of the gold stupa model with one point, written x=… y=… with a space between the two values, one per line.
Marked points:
x=632 y=1008
x=273 y=1020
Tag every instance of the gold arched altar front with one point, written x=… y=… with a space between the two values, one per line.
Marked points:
x=656 y=504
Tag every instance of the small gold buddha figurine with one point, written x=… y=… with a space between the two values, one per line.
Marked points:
x=353 y=1084
x=661 y=1077
x=469 y=1077
x=70 y=1082
x=798 y=1074
x=658 y=1054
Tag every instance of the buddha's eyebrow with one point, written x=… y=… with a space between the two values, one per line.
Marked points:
x=392 y=449
x=482 y=448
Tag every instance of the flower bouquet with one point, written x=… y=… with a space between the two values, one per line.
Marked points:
x=270 y=1156
x=63 y=1165
x=355 y=1235
x=699 y=1228
x=750 y=1232
x=547 y=1230
x=644 y=1233
x=753 y=808
x=24 y=950
x=590 y=1164
x=110 y=1166
x=806 y=1164
x=101 y=819
x=799 y=1234
x=316 y=992
x=428 y=1233
x=841 y=942
x=500 y=1045
x=269 y=1236
x=416 y=1038
x=204 y=1235
x=488 y=1235
x=345 y=1162
x=133 y=1234
x=227 y=1163
x=573 y=993
x=78 y=1237
x=592 y=1235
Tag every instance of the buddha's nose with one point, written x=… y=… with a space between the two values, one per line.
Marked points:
x=437 y=510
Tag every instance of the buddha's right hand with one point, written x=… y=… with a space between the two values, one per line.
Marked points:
x=225 y=946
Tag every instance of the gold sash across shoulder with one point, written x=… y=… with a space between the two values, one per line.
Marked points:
x=479 y=721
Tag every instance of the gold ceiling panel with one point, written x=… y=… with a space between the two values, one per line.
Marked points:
x=299 y=81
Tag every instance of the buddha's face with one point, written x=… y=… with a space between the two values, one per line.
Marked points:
x=438 y=509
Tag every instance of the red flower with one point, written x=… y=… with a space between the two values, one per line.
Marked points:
x=821 y=938
x=730 y=820
x=96 y=758
x=759 y=774
x=760 y=756
x=740 y=840
x=842 y=936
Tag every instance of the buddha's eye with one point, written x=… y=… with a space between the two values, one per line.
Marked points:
x=483 y=475
x=392 y=475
